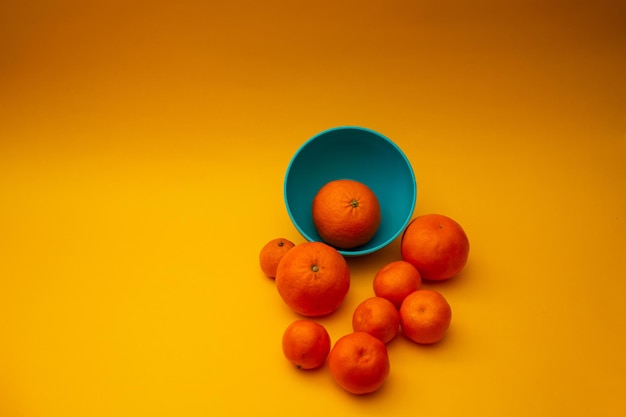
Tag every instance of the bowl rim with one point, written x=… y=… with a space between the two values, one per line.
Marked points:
x=348 y=252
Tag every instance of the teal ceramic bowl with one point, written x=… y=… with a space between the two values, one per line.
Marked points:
x=359 y=154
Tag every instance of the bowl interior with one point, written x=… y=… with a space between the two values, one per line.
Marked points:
x=359 y=154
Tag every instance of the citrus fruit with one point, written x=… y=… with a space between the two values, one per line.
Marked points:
x=436 y=245
x=359 y=363
x=425 y=316
x=306 y=344
x=378 y=317
x=313 y=278
x=346 y=213
x=271 y=253
x=395 y=280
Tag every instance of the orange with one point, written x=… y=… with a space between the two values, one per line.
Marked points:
x=378 y=317
x=396 y=280
x=359 y=363
x=313 y=278
x=425 y=316
x=436 y=245
x=271 y=253
x=346 y=213
x=306 y=344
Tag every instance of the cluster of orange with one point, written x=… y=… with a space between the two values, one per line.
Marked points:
x=313 y=279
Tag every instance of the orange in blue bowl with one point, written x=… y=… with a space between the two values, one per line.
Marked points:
x=360 y=154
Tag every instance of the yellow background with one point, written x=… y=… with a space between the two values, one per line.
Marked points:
x=142 y=151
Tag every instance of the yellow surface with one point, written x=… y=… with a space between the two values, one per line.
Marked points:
x=142 y=151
